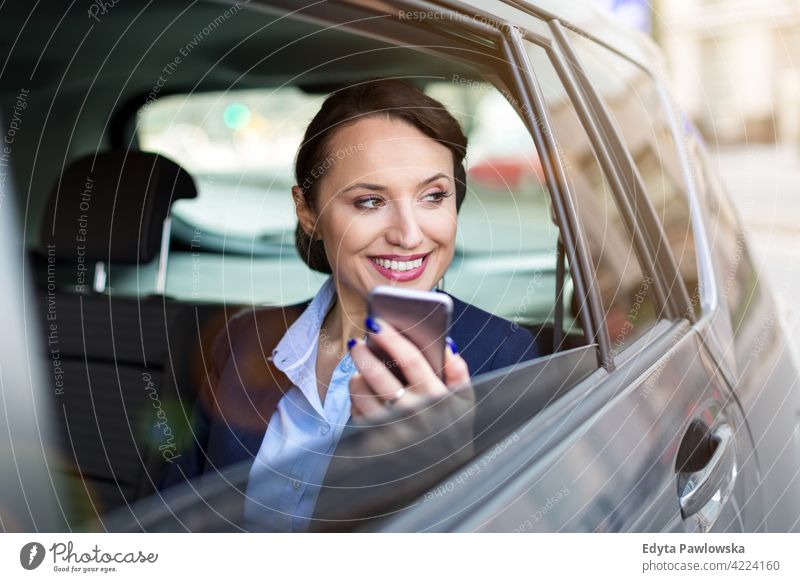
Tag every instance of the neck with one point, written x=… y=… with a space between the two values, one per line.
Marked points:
x=345 y=320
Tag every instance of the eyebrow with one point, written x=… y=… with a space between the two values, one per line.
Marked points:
x=381 y=188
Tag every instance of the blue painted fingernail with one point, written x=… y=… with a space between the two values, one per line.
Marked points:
x=452 y=344
x=372 y=325
x=350 y=343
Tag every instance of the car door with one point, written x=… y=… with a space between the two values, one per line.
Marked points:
x=655 y=159
x=654 y=440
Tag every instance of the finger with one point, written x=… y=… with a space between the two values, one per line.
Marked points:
x=456 y=371
x=378 y=379
x=416 y=369
x=362 y=400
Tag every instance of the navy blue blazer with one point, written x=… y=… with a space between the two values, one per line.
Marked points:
x=242 y=388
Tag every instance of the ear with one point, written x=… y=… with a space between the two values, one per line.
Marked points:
x=305 y=215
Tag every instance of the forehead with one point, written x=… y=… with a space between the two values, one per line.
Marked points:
x=385 y=143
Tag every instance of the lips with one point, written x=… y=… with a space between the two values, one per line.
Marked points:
x=400 y=267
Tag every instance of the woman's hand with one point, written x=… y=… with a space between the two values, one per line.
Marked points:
x=393 y=462
x=373 y=387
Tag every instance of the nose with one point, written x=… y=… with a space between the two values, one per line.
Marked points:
x=404 y=230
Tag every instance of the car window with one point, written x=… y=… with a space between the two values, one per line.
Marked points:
x=240 y=147
x=625 y=288
x=641 y=117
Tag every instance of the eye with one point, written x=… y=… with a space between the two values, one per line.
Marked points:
x=368 y=203
x=438 y=196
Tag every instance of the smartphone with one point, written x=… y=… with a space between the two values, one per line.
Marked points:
x=423 y=317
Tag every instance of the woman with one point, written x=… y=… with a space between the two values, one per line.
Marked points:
x=380 y=179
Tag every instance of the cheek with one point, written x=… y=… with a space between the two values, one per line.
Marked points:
x=441 y=227
x=347 y=234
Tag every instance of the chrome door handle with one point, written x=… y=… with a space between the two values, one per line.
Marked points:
x=703 y=493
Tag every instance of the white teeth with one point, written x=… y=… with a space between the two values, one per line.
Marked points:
x=399 y=265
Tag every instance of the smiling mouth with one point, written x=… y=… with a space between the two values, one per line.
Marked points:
x=398 y=265
x=399 y=270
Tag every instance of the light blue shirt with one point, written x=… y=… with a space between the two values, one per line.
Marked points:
x=302 y=434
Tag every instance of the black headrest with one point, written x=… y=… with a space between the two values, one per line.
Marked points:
x=111 y=207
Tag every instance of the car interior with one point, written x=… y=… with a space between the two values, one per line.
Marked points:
x=156 y=167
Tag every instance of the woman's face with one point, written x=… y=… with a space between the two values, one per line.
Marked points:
x=387 y=206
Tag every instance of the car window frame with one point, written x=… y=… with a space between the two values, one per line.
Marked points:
x=538 y=123
x=602 y=150
x=633 y=193
x=655 y=256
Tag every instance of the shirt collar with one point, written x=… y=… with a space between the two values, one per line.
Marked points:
x=299 y=343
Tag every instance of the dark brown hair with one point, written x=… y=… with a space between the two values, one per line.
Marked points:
x=385 y=97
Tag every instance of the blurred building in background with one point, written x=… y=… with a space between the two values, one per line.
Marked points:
x=734 y=66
